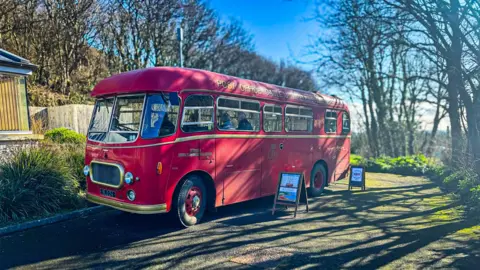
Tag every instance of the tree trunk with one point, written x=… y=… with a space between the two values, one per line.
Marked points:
x=455 y=81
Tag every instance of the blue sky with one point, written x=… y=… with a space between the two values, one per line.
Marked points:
x=280 y=27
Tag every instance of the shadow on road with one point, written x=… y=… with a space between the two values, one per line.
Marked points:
x=403 y=225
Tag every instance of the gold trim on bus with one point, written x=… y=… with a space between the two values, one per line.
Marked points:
x=225 y=136
x=120 y=168
x=132 y=208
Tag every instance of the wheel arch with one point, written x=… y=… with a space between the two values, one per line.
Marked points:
x=207 y=180
x=325 y=165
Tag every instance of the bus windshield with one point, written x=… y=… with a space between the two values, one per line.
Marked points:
x=119 y=119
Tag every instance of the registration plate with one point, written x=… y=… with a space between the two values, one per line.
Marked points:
x=108 y=193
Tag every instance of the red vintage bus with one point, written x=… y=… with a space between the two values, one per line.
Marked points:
x=184 y=140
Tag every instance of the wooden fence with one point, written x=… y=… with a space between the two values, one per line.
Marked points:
x=75 y=117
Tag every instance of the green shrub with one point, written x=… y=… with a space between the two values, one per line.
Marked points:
x=65 y=135
x=406 y=165
x=474 y=199
x=451 y=181
x=36 y=182
x=356 y=160
x=467 y=183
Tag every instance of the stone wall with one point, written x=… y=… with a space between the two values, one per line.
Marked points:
x=75 y=117
x=9 y=143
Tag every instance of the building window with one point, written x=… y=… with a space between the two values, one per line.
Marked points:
x=238 y=114
x=345 y=123
x=272 y=118
x=198 y=113
x=13 y=103
x=331 y=121
x=298 y=119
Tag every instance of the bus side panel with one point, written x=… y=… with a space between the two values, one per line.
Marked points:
x=239 y=162
x=343 y=160
x=272 y=165
x=298 y=153
x=187 y=158
x=330 y=157
x=343 y=150
x=152 y=182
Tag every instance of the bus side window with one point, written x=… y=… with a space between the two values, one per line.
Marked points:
x=198 y=113
x=160 y=117
x=330 y=121
x=298 y=119
x=345 y=123
x=272 y=118
x=238 y=114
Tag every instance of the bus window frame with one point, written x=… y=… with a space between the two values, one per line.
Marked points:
x=239 y=110
x=282 y=120
x=197 y=107
x=297 y=115
x=178 y=120
x=349 y=122
x=111 y=119
x=336 y=121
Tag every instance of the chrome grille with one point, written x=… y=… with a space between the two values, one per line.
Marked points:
x=106 y=174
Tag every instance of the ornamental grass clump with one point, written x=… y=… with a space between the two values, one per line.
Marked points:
x=36 y=182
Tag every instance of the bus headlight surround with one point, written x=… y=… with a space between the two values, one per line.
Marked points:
x=86 y=170
x=131 y=195
x=129 y=178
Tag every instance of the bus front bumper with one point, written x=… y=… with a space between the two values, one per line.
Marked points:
x=132 y=208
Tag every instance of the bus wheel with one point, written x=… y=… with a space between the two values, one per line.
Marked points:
x=191 y=201
x=318 y=180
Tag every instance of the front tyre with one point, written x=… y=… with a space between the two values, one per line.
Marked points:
x=318 y=180
x=191 y=201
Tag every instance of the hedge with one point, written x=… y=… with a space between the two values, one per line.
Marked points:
x=65 y=135
x=463 y=182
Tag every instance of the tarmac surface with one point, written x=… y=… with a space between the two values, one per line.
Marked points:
x=398 y=222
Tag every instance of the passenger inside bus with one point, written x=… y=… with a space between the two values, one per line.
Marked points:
x=167 y=126
x=243 y=123
x=226 y=122
x=161 y=127
x=194 y=118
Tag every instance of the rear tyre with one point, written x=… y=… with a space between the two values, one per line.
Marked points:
x=318 y=180
x=191 y=201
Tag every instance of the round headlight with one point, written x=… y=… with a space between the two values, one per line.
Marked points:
x=129 y=178
x=86 y=170
x=131 y=195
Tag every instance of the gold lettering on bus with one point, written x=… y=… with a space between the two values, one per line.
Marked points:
x=277 y=93
x=230 y=85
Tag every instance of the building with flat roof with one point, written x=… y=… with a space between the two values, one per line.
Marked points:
x=14 y=116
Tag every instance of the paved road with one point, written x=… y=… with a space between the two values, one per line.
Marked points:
x=398 y=222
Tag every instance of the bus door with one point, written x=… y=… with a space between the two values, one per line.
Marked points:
x=343 y=145
x=299 y=144
x=332 y=142
x=272 y=148
x=197 y=122
x=238 y=149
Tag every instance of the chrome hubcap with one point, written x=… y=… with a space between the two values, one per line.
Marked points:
x=196 y=202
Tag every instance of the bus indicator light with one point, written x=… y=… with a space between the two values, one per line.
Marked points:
x=159 y=168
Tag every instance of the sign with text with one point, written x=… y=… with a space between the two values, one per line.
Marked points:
x=357 y=177
x=291 y=186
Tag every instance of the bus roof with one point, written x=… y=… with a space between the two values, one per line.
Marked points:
x=173 y=79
